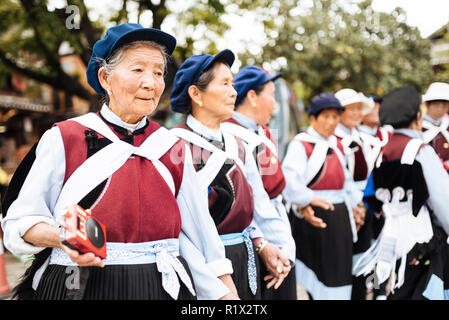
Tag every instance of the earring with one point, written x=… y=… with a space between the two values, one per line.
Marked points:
x=200 y=103
x=109 y=92
x=253 y=105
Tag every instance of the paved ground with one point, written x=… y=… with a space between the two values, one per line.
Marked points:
x=14 y=269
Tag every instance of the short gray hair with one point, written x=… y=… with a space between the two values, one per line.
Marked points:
x=117 y=56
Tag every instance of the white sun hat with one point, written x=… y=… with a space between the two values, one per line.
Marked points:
x=348 y=96
x=437 y=91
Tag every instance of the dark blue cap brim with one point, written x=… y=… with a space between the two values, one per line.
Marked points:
x=226 y=56
x=275 y=77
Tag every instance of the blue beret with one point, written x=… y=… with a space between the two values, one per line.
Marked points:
x=323 y=101
x=189 y=73
x=250 y=77
x=117 y=37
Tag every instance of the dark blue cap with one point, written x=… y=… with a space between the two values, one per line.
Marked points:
x=249 y=78
x=117 y=37
x=189 y=73
x=323 y=101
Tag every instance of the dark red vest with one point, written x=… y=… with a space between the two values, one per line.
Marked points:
x=392 y=174
x=331 y=175
x=441 y=146
x=138 y=205
x=241 y=211
x=268 y=163
x=360 y=166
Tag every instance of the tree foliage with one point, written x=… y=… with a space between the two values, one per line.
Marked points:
x=331 y=45
x=31 y=35
x=320 y=48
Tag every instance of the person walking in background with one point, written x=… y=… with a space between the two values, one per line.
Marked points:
x=241 y=209
x=324 y=202
x=255 y=105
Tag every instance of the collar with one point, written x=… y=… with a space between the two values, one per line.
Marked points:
x=428 y=118
x=202 y=130
x=246 y=121
x=367 y=130
x=115 y=120
x=344 y=129
x=332 y=140
x=409 y=133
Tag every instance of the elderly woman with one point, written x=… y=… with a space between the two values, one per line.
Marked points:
x=255 y=105
x=240 y=207
x=318 y=182
x=360 y=164
x=120 y=166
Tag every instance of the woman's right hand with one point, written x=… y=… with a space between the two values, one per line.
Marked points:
x=83 y=260
x=309 y=216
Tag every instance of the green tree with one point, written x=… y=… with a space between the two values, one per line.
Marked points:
x=31 y=35
x=330 y=46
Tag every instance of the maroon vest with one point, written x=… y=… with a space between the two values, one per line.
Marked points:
x=394 y=149
x=441 y=146
x=273 y=180
x=138 y=205
x=360 y=166
x=241 y=212
x=331 y=175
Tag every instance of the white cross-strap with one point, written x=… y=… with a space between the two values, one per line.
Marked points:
x=217 y=158
x=251 y=138
x=432 y=130
x=346 y=140
x=316 y=161
x=317 y=158
x=108 y=160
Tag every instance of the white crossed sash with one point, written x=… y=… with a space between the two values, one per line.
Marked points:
x=432 y=130
x=316 y=161
x=346 y=140
x=251 y=138
x=373 y=147
x=108 y=160
x=217 y=158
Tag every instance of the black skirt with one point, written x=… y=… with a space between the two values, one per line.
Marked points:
x=430 y=278
x=238 y=255
x=325 y=253
x=113 y=282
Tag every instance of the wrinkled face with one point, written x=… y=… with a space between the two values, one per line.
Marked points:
x=326 y=122
x=137 y=83
x=219 y=96
x=437 y=109
x=372 y=119
x=352 y=116
x=265 y=104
